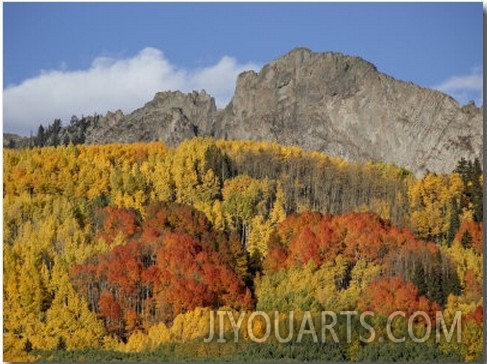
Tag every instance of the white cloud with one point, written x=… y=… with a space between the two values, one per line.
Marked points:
x=111 y=84
x=465 y=88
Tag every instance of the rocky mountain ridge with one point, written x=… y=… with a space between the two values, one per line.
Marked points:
x=340 y=105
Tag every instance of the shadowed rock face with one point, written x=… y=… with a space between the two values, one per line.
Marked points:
x=170 y=117
x=329 y=102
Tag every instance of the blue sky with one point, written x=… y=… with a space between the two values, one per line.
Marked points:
x=62 y=59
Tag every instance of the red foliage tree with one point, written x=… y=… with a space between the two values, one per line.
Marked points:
x=116 y=221
x=312 y=236
x=477 y=315
x=387 y=295
x=171 y=267
x=191 y=276
x=110 y=311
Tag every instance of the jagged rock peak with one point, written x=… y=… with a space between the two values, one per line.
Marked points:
x=112 y=118
x=301 y=54
x=180 y=99
x=171 y=116
x=343 y=106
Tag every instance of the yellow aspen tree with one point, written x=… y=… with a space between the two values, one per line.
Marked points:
x=193 y=159
x=278 y=212
x=217 y=218
x=14 y=339
x=137 y=342
x=26 y=294
x=363 y=273
x=191 y=325
x=157 y=335
x=430 y=201
x=69 y=316
x=259 y=235
x=465 y=260
x=306 y=288
x=157 y=169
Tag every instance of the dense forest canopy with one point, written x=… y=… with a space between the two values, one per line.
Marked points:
x=120 y=251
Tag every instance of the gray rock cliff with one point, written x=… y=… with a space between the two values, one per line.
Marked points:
x=343 y=106
x=170 y=117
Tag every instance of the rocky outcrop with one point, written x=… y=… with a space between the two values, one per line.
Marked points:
x=343 y=106
x=170 y=117
x=328 y=102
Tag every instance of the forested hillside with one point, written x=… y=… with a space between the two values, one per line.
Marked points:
x=120 y=251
